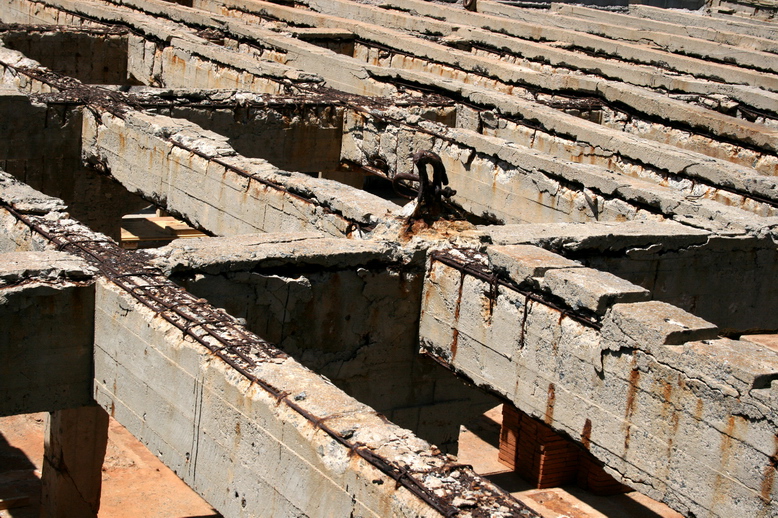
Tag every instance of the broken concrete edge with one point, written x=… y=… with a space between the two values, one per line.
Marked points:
x=49 y=267
x=25 y=199
x=257 y=252
x=598 y=236
x=326 y=428
x=736 y=382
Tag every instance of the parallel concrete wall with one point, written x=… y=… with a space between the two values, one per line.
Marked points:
x=352 y=316
x=41 y=146
x=245 y=452
x=692 y=269
x=301 y=137
x=658 y=407
x=196 y=174
x=90 y=57
x=46 y=313
x=695 y=278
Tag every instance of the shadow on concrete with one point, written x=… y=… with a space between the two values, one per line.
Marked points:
x=615 y=506
x=486 y=428
x=20 y=485
x=510 y=481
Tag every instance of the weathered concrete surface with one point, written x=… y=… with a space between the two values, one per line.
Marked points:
x=71 y=479
x=45 y=295
x=600 y=353
x=523 y=262
x=236 y=444
x=593 y=290
x=196 y=174
x=347 y=310
x=659 y=408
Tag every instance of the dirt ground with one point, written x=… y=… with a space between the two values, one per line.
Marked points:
x=135 y=482
x=478 y=446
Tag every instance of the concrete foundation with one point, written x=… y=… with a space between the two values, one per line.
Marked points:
x=604 y=250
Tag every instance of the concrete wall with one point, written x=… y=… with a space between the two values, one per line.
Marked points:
x=92 y=58
x=295 y=137
x=196 y=174
x=41 y=146
x=692 y=269
x=46 y=312
x=352 y=317
x=657 y=406
x=233 y=442
x=695 y=278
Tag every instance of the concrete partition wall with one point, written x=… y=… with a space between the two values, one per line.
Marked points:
x=293 y=136
x=248 y=452
x=46 y=313
x=93 y=57
x=346 y=310
x=499 y=180
x=647 y=388
x=196 y=174
x=697 y=278
x=723 y=278
x=40 y=145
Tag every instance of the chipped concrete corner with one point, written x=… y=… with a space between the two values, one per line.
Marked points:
x=600 y=254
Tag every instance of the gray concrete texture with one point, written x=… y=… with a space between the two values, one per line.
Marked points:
x=616 y=186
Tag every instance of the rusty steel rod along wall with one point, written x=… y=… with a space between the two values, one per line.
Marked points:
x=223 y=336
x=480 y=271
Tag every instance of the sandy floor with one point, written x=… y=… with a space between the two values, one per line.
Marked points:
x=135 y=483
x=478 y=443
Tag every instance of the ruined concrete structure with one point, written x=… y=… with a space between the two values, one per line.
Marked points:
x=612 y=272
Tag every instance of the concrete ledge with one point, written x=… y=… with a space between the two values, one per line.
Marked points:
x=523 y=262
x=25 y=199
x=584 y=288
x=655 y=323
x=48 y=267
x=253 y=251
x=599 y=236
x=46 y=310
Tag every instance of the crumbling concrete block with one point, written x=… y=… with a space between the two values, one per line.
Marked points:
x=523 y=262
x=44 y=295
x=655 y=323
x=584 y=288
